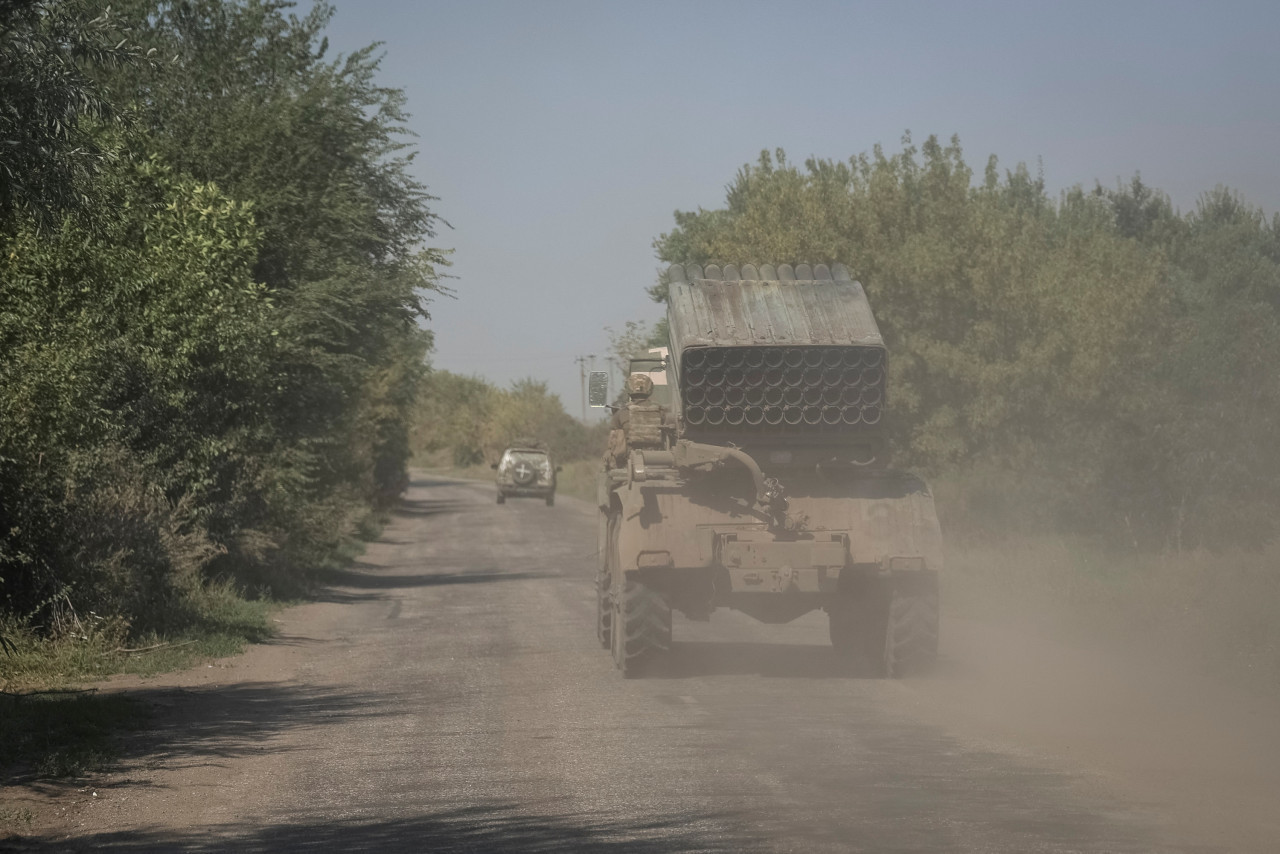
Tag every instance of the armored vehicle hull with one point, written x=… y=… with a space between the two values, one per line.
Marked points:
x=768 y=491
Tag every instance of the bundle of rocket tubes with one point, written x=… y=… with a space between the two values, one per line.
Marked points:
x=787 y=389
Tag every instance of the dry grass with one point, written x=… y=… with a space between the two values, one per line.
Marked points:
x=579 y=479
x=220 y=622
x=50 y=728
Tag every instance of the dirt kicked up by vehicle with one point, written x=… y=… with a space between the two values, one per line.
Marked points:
x=749 y=470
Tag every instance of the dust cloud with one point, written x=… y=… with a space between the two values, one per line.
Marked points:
x=1140 y=714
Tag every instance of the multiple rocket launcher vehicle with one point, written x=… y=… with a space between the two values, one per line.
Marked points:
x=756 y=477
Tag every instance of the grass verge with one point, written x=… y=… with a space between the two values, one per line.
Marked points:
x=49 y=729
x=222 y=622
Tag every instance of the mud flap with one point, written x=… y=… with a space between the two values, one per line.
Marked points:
x=887 y=626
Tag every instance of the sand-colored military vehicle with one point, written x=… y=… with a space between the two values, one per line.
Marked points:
x=757 y=478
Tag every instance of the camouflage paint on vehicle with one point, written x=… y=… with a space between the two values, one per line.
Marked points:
x=526 y=472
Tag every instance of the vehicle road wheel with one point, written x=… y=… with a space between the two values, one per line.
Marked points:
x=857 y=622
x=641 y=627
x=840 y=625
x=889 y=628
x=604 y=576
x=551 y=499
x=502 y=499
x=857 y=628
x=604 y=611
x=911 y=636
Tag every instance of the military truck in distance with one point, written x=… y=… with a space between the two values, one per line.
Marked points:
x=761 y=483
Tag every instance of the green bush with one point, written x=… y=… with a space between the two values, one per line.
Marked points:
x=1106 y=358
x=211 y=338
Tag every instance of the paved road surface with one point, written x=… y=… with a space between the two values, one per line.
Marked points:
x=449 y=695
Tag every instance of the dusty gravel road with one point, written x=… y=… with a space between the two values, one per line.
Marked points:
x=449 y=695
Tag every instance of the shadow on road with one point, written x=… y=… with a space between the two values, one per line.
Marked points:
x=428 y=482
x=363 y=576
x=410 y=508
x=233 y=720
x=485 y=828
x=194 y=724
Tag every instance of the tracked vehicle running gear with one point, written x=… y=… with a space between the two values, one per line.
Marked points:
x=764 y=485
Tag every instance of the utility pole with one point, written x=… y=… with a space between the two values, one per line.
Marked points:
x=582 y=378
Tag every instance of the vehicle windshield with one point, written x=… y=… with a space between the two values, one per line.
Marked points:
x=534 y=458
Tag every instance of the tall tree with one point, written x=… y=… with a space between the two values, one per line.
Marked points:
x=1098 y=342
x=49 y=101
x=213 y=369
x=322 y=152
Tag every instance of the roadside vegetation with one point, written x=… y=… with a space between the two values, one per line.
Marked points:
x=464 y=423
x=1089 y=377
x=214 y=277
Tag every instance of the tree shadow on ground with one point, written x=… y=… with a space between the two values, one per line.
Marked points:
x=195 y=724
x=427 y=481
x=344 y=585
x=411 y=508
x=484 y=828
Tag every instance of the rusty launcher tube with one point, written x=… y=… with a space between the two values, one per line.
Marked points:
x=821 y=388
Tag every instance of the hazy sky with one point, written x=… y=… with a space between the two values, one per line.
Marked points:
x=561 y=136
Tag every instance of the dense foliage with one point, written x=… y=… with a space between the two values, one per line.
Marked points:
x=48 y=155
x=1104 y=361
x=210 y=368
